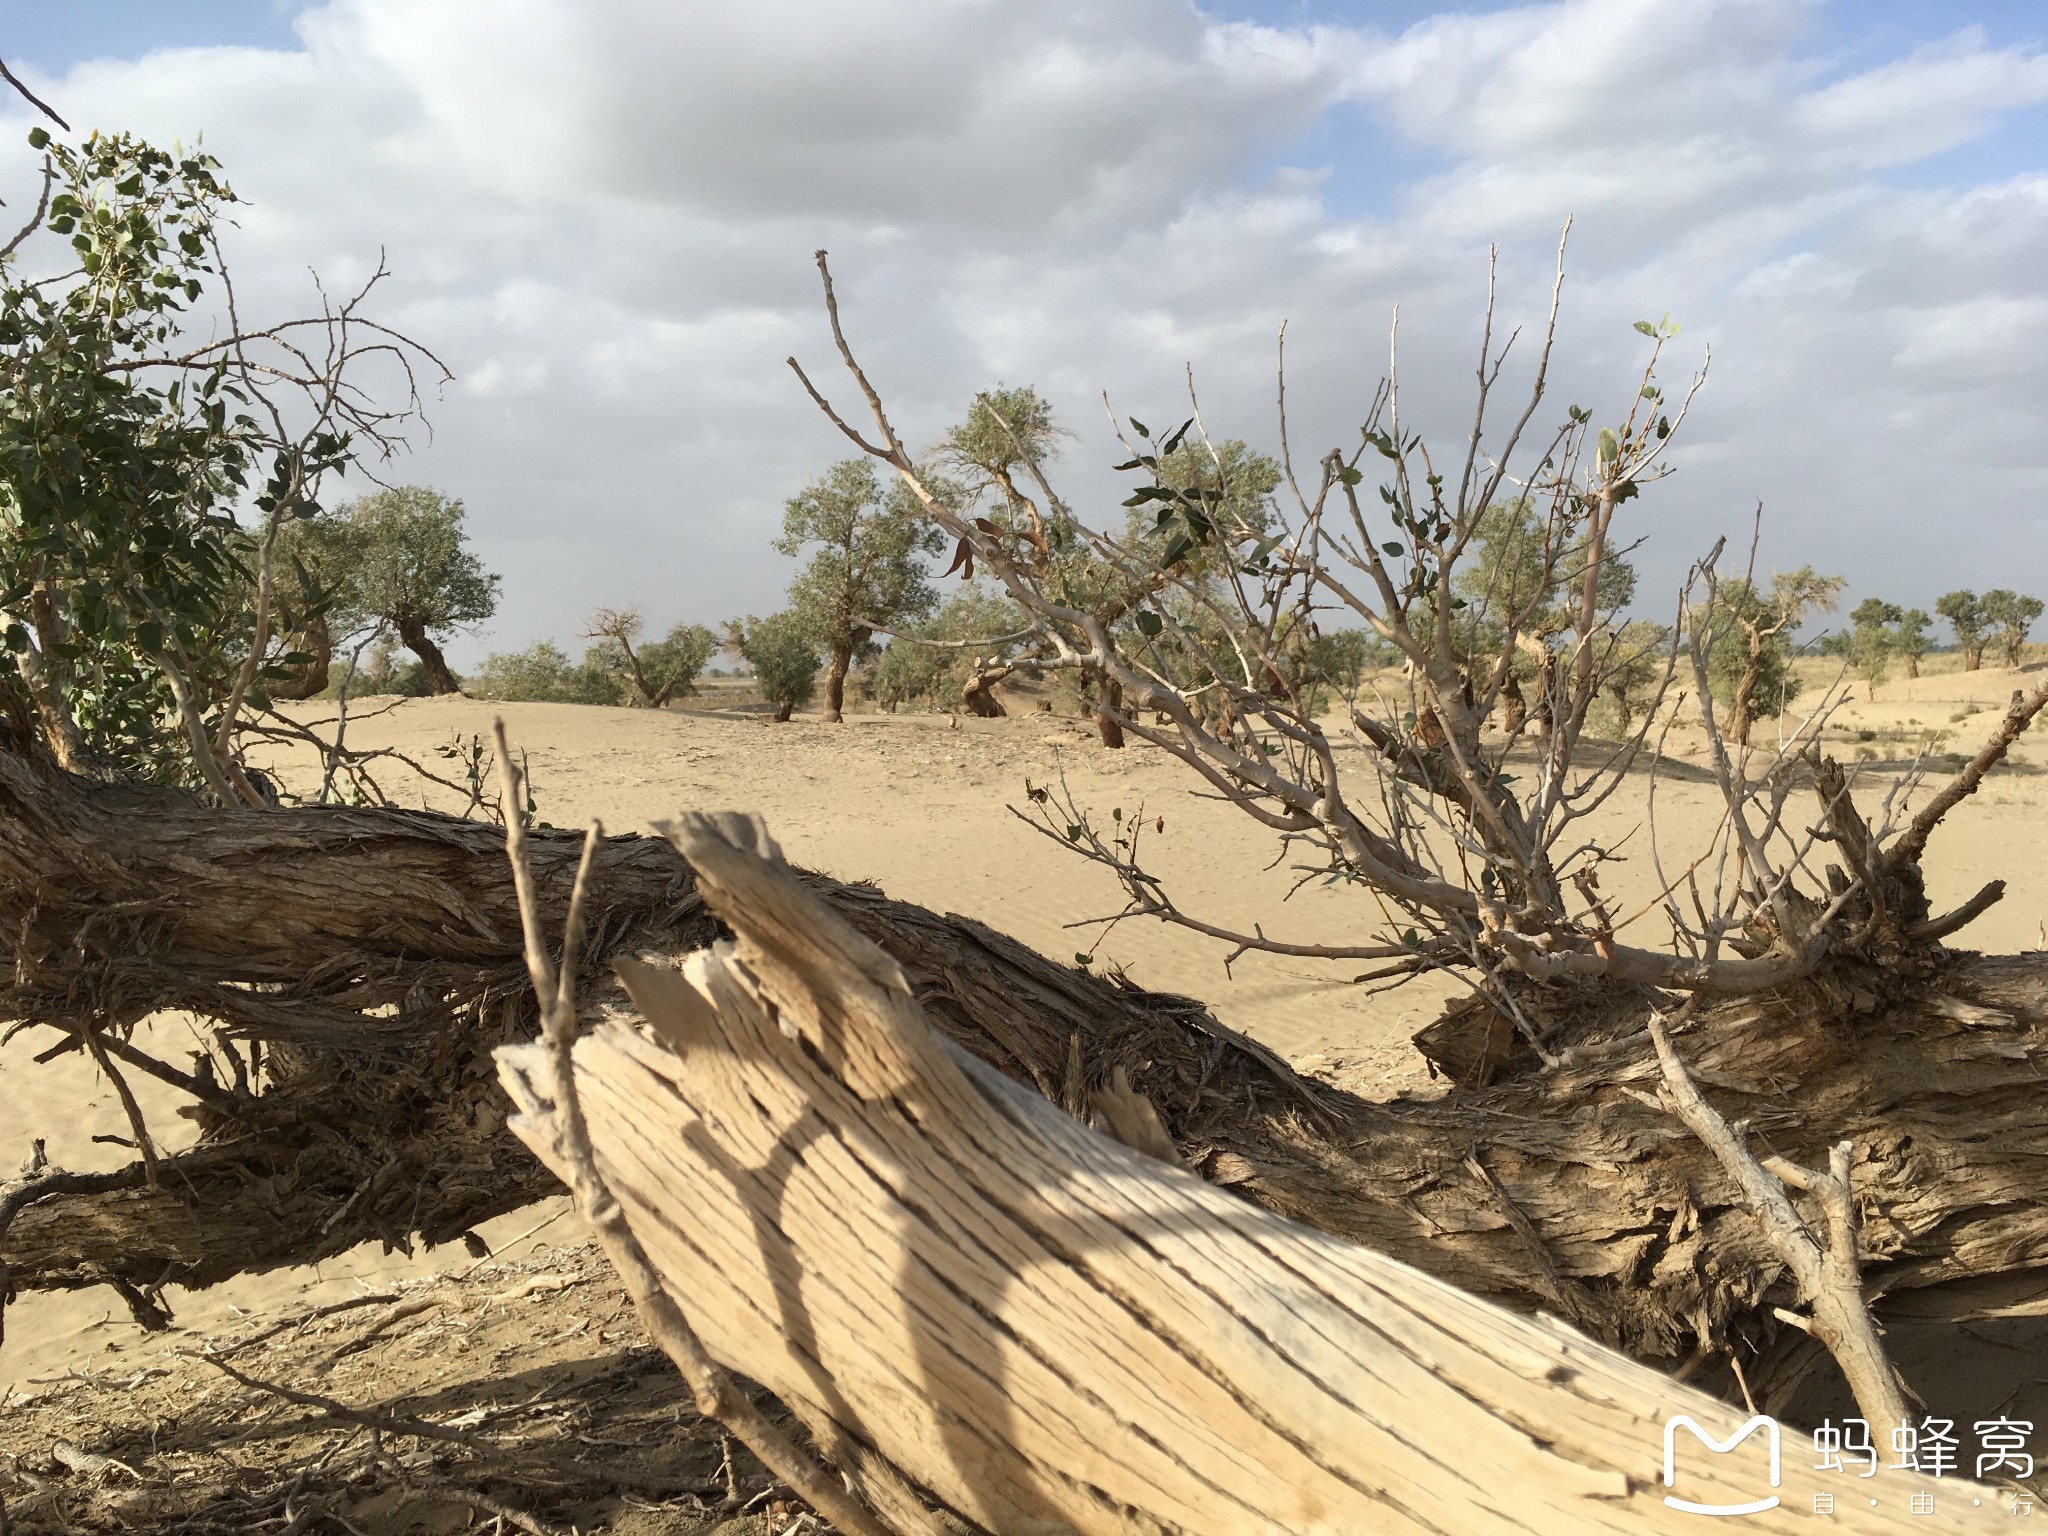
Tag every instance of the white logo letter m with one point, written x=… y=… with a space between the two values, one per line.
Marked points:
x=1719 y=1448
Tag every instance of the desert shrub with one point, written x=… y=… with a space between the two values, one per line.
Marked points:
x=543 y=673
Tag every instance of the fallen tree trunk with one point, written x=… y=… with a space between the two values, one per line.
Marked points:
x=936 y=1268
x=372 y=959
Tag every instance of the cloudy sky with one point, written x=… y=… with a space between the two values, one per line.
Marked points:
x=602 y=214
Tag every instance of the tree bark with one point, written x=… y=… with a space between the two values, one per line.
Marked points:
x=374 y=954
x=1108 y=704
x=1047 y=1331
x=312 y=679
x=1514 y=713
x=836 y=663
x=978 y=692
x=413 y=633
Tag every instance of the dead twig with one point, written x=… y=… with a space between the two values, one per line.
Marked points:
x=1826 y=1270
x=32 y=98
x=576 y=1469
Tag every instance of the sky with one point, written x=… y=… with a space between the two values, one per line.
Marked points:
x=602 y=213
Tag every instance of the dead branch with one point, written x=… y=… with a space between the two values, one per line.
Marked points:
x=2018 y=715
x=1828 y=1270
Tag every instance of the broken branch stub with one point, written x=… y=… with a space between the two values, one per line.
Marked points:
x=1045 y=1330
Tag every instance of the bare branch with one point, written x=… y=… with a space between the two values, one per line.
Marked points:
x=32 y=99
x=1827 y=1270
x=2018 y=715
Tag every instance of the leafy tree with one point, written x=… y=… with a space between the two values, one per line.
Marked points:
x=1748 y=642
x=2012 y=615
x=542 y=673
x=1870 y=641
x=1910 y=638
x=405 y=561
x=142 y=611
x=1520 y=592
x=1966 y=616
x=1005 y=430
x=783 y=651
x=122 y=568
x=1632 y=671
x=664 y=670
x=866 y=569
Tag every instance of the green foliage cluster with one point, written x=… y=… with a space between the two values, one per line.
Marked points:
x=2001 y=616
x=1630 y=672
x=613 y=671
x=543 y=673
x=1749 y=642
x=864 y=568
x=397 y=560
x=783 y=651
x=120 y=555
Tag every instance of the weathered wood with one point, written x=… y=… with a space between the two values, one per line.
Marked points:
x=376 y=955
x=1048 y=1331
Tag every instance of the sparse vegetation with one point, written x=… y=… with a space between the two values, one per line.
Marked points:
x=543 y=673
x=664 y=670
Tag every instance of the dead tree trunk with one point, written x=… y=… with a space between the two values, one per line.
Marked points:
x=373 y=957
x=940 y=1271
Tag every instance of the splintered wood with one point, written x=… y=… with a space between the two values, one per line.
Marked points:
x=1047 y=1331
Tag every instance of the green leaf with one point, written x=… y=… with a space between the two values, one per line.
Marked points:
x=1412 y=939
x=1073 y=834
x=38 y=138
x=1140 y=428
x=1348 y=475
x=17 y=637
x=1394 y=548
x=1117 y=814
x=1083 y=961
x=1610 y=446
x=1646 y=328
x=1149 y=623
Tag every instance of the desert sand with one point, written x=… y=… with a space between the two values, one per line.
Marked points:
x=921 y=805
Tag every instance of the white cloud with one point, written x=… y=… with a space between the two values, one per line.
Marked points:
x=602 y=215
